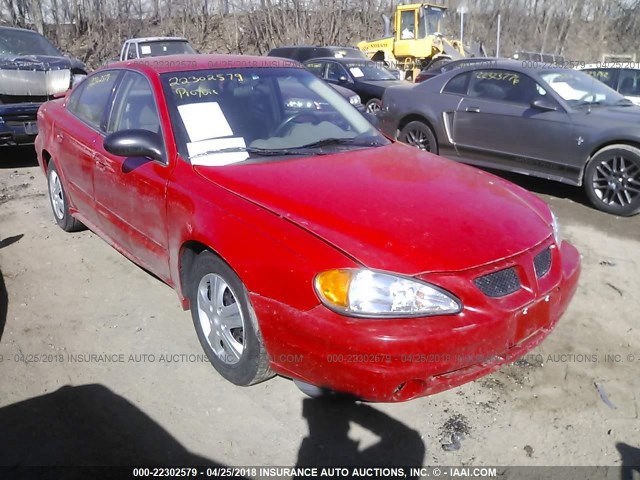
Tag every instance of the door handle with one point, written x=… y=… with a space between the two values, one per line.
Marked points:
x=473 y=110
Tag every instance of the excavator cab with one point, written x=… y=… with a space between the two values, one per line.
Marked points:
x=417 y=29
x=418 y=21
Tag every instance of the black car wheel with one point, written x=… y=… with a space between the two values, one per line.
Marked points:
x=612 y=180
x=374 y=105
x=225 y=322
x=419 y=135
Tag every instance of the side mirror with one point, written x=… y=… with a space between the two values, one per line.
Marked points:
x=135 y=143
x=543 y=104
x=343 y=79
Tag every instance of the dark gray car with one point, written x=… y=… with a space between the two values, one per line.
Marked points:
x=553 y=123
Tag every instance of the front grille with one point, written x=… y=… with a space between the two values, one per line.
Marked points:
x=18 y=120
x=10 y=99
x=499 y=284
x=542 y=262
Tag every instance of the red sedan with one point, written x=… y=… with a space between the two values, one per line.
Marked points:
x=304 y=242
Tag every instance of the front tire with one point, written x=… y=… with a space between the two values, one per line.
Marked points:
x=225 y=322
x=419 y=135
x=612 y=180
x=59 y=201
x=373 y=106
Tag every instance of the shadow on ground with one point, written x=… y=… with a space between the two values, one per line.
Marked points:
x=4 y=305
x=328 y=443
x=16 y=157
x=630 y=457
x=84 y=426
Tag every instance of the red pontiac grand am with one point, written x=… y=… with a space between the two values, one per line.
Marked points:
x=304 y=242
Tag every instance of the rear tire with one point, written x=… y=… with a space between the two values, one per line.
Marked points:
x=612 y=180
x=225 y=322
x=419 y=135
x=60 y=202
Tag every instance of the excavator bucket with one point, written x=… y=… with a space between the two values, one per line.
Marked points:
x=451 y=51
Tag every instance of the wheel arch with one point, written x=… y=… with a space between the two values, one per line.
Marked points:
x=601 y=146
x=189 y=251
x=46 y=158
x=416 y=117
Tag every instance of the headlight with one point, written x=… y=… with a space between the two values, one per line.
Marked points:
x=76 y=78
x=556 y=229
x=367 y=293
x=355 y=100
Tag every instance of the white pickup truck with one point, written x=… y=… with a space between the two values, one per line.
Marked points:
x=135 y=48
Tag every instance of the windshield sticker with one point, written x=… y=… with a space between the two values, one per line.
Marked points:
x=204 y=120
x=513 y=78
x=205 y=152
x=194 y=79
x=100 y=78
x=356 y=72
x=598 y=74
x=145 y=49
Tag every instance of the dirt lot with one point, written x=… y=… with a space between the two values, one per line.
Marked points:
x=147 y=395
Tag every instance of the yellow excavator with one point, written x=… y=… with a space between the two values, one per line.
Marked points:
x=417 y=40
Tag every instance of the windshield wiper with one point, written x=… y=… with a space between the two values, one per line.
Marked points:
x=337 y=141
x=297 y=150
x=258 y=151
x=589 y=103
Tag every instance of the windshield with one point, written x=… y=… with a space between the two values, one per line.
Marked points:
x=432 y=17
x=165 y=47
x=226 y=116
x=579 y=89
x=371 y=71
x=21 y=42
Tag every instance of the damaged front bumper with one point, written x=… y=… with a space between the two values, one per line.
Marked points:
x=18 y=124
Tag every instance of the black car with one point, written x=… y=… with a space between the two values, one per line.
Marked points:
x=32 y=71
x=446 y=65
x=367 y=78
x=555 y=123
x=302 y=53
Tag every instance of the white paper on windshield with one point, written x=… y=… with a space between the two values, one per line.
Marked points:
x=204 y=120
x=356 y=72
x=145 y=49
x=217 y=159
x=567 y=92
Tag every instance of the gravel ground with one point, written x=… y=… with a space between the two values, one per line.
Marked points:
x=100 y=365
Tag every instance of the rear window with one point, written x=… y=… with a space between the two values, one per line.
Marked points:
x=161 y=48
x=608 y=76
x=458 y=84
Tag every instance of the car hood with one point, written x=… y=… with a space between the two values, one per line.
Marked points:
x=625 y=114
x=382 y=83
x=395 y=208
x=35 y=75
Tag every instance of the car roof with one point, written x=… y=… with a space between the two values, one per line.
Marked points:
x=610 y=66
x=342 y=59
x=2 y=27
x=179 y=63
x=505 y=63
x=156 y=39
